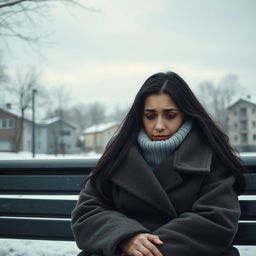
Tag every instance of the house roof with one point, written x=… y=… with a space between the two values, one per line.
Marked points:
x=45 y=122
x=100 y=127
x=55 y=119
x=241 y=100
x=15 y=112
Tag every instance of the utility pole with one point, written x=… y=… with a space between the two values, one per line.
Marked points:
x=33 y=122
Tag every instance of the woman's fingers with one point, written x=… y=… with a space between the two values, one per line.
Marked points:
x=141 y=245
x=152 y=248
x=155 y=239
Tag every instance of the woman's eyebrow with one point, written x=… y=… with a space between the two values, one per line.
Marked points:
x=165 y=110
x=170 y=109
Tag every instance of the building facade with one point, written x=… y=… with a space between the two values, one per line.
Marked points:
x=61 y=137
x=242 y=125
x=96 y=137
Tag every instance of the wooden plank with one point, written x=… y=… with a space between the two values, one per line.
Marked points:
x=62 y=208
x=49 y=229
x=248 y=208
x=41 y=229
x=246 y=234
x=47 y=163
x=41 y=184
x=67 y=184
x=250 y=181
x=36 y=207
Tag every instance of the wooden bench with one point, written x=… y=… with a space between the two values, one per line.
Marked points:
x=49 y=219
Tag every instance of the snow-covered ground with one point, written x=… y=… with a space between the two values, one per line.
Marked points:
x=15 y=247
x=28 y=155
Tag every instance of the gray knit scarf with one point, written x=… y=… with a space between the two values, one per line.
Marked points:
x=154 y=152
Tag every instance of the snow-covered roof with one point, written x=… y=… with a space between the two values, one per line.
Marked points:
x=248 y=101
x=50 y=120
x=54 y=120
x=16 y=112
x=100 y=127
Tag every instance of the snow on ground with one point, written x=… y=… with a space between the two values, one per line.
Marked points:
x=14 y=247
x=28 y=155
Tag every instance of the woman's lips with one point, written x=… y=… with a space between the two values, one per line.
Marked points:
x=161 y=137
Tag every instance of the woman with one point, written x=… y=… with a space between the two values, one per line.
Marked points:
x=166 y=185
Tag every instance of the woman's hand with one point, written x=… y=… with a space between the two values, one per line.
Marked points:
x=141 y=245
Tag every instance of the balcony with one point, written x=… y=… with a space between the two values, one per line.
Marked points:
x=243 y=117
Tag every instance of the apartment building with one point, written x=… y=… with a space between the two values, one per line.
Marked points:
x=242 y=125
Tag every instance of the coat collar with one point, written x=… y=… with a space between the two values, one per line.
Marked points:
x=136 y=177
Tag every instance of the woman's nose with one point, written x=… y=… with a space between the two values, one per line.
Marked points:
x=160 y=125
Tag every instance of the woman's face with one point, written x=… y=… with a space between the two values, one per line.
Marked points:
x=161 y=116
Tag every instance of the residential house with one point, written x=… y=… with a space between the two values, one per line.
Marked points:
x=97 y=136
x=11 y=137
x=52 y=136
x=61 y=136
x=242 y=125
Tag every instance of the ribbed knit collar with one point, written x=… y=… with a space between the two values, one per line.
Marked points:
x=154 y=152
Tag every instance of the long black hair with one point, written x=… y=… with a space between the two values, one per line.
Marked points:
x=173 y=85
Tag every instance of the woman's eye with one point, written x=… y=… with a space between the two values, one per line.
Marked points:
x=170 y=116
x=150 y=117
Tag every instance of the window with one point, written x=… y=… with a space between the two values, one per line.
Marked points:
x=6 y=123
x=254 y=110
x=235 y=137
x=235 y=113
x=254 y=136
x=11 y=123
x=244 y=138
x=254 y=124
x=235 y=125
x=65 y=133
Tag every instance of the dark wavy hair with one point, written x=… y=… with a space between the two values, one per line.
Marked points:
x=173 y=85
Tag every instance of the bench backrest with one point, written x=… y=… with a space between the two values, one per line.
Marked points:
x=40 y=218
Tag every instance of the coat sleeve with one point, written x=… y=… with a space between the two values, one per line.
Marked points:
x=210 y=226
x=98 y=228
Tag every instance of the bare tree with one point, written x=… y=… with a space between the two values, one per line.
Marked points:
x=96 y=113
x=17 y=15
x=57 y=107
x=19 y=92
x=118 y=114
x=3 y=79
x=78 y=114
x=217 y=98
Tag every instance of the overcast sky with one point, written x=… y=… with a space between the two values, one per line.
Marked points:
x=106 y=56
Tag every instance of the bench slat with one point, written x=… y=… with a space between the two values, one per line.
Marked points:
x=250 y=182
x=248 y=208
x=60 y=230
x=57 y=208
x=41 y=229
x=41 y=184
x=61 y=208
x=66 y=184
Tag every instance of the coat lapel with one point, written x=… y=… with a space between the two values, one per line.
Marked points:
x=136 y=177
x=193 y=156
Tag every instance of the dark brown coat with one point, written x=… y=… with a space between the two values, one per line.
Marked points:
x=188 y=201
